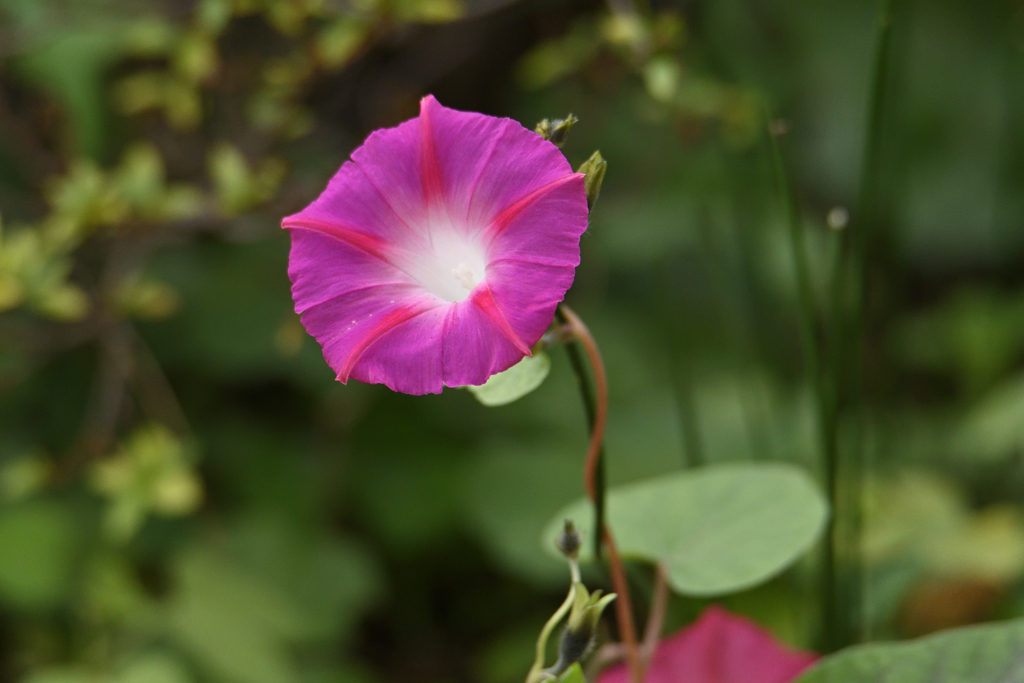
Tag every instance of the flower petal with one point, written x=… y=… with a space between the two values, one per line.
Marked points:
x=547 y=229
x=349 y=299
x=462 y=144
x=476 y=342
x=485 y=163
x=531 y=265
x=322 y=267
x=527 y=294
x=407 y=358
x=351 y=202
x=719 y=648
x=392 y=161
x=527 y=163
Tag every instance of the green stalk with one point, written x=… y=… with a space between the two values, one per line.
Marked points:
x=682 y=375
x=842 y=616
x=798 y=247
x=813 y=369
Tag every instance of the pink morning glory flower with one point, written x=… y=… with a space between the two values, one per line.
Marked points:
x=719 y=648
x=437 y=255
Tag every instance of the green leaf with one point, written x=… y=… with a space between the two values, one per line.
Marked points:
x=516 y=382
x=927 y=520
x=236 y=626
x=151 y=473
x=429 y=11
x=993 y=430
x=553 y=60
x=152 y=667
x=511 y=493
x=155 y=667
x=718 y=528
x=573 y=675
x=70 y=60
x=661 y=77
x=330 y=579
x=993 y=653
x=232 y=177
x=66 y=674
x=339 y=40
x=38 y=541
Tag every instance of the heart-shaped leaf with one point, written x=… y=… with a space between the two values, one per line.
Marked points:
x=993 y=653
x=514 y=383
x=718 y=528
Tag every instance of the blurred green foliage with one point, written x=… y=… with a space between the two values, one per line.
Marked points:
x=185 y=493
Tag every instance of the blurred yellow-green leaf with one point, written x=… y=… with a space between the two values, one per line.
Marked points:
x=338 y=41
x=151 y=473
x=146 y=299
x=923 y=517
x=551 y=61
x=237 y=627
x=196 y=57
x=427 y=11
x=40 y=539
x=22 y=476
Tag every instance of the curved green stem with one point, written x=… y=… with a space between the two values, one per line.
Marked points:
x=542 y=640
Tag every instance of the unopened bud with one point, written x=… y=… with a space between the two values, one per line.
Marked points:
x=573 y=647
x=568 y=542
x=581 y=628
x=593 y=168
x=557 y=130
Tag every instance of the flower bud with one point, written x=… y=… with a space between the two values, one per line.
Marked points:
x=568 y=542
x=556 y=131
x=593 y=168
x=581 y=627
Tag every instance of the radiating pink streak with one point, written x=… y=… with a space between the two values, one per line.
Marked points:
x=503 y=219
x=386 y=324
x=432 y=189
x=483 y=298
x=371 y=245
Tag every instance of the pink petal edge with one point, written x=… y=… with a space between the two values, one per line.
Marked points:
x=719 y=647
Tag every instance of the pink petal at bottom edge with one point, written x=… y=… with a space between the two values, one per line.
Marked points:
x=452 y=345
x=407 y=357
x=475 y=345
x=719 y=648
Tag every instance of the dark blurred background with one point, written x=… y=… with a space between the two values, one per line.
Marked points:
x=186 y=495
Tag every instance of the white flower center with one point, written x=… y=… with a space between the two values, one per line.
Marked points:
x=451 y=267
